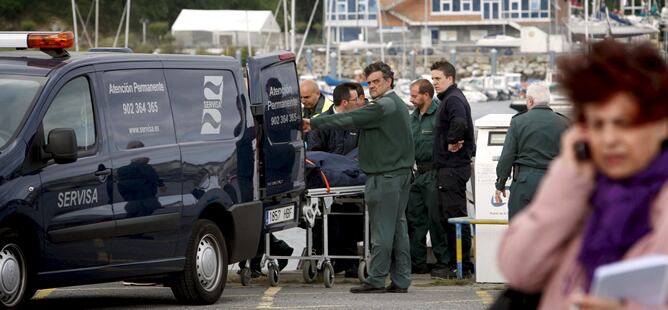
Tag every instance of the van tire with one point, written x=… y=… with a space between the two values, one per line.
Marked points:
x=17 y=286
x=203 y=279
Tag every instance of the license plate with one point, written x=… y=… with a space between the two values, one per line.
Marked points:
x=279 y=215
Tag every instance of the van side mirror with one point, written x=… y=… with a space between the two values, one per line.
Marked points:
x=62 y=145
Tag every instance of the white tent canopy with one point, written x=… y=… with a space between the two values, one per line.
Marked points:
x=221 y=28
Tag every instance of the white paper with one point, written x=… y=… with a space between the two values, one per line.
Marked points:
x=643 y=280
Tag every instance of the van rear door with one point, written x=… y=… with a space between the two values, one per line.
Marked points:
x=274 y=96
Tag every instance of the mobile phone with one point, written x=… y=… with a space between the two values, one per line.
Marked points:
x=582 y=151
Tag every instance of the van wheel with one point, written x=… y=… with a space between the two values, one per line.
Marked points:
x=203 y=279
x=14 y=268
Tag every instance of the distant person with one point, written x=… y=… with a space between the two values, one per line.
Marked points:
x=361 y=96
x=386 y=155
x=422 y=211
x=606 y=205
x=453 y=148
x=313 y=102
x=531 y=143
x=358 y=76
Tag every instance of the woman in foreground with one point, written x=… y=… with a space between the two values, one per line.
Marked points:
x=606 y=207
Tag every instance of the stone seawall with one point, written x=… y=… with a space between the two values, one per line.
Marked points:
x=529 y=65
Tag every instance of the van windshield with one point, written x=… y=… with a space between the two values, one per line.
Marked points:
x=16 y=96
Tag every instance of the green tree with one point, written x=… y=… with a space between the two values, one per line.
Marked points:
x=158 y=30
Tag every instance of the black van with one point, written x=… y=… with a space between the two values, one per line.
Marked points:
x=121 y=166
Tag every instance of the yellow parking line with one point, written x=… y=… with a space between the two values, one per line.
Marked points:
x=268 y=298
x=43 y=293
x=487 y=299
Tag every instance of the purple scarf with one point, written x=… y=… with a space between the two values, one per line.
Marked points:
x=621 y=214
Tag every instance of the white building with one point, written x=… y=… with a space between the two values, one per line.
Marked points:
x=225 y=28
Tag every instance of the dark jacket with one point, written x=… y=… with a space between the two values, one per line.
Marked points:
x=333 y=140
x=453 y=124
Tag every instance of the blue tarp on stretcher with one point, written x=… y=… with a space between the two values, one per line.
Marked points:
x=332 y=170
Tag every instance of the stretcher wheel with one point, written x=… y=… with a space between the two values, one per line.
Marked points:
x=273 y=274
x=309 y=271
x=245 y=276
x=328 y=274
x=362 y=271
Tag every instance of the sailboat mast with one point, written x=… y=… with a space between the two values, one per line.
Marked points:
x=292 y=27
x=586 y=3
x=329 y=33
x=285 y=24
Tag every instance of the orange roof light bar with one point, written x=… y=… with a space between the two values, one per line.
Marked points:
x=51 y=40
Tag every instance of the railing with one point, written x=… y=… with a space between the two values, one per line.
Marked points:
x=459 y=221
x=351 y=16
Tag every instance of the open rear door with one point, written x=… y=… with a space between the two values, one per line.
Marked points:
x=274 y=96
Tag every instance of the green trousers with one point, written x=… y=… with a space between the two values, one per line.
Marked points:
x=423 y=216
x=386 y=197
x=523 y=188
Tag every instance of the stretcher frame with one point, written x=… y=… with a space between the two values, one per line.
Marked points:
x=320 y=201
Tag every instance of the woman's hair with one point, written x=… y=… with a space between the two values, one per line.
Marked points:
x=610 y=68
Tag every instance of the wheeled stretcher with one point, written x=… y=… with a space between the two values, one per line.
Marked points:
x=317 y=204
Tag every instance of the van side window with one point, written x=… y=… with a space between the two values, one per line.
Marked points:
x=73 y=108
x=206 y=104
x=139 y=106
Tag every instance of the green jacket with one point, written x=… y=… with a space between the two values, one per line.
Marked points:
x=532 y=140
x=385 y=142
x=423 y=132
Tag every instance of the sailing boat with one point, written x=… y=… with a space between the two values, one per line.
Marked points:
x=604 y=23
x=600 y=29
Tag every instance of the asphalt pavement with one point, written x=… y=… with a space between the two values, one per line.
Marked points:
x=291 y=293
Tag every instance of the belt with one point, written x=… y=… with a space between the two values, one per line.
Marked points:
x=517 y=168
x=424 y=168
x=395 y=171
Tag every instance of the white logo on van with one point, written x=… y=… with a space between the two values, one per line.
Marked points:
x=211 y=114
x=77 y=198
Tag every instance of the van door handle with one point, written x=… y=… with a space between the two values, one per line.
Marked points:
x=102 y=173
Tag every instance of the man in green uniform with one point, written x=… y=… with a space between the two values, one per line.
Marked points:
x=422 y=212
x=386 y=155
x=531 y=143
